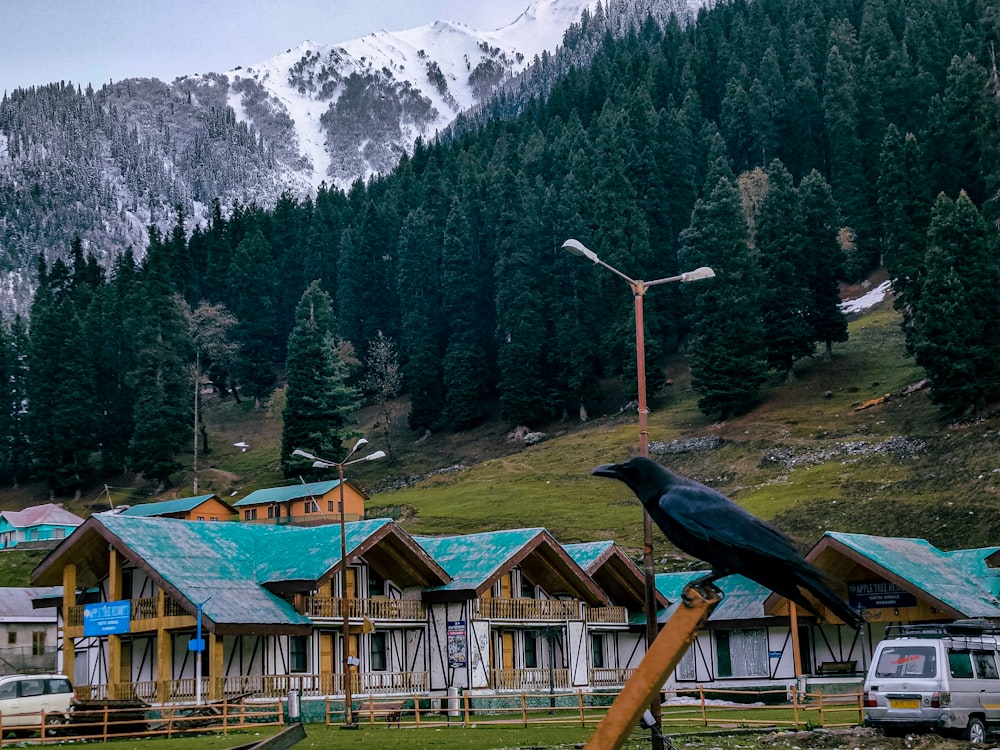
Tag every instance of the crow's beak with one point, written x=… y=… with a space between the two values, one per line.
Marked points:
x=607 y=470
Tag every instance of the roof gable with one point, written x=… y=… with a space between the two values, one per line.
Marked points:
x=180 y=505
x=287 y=494
x=743 y=599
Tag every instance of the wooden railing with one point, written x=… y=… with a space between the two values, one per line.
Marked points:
x=529 y=609
x=309 y=519
x=373 y=609
x=259 y=686
x=146 y=608
x=609 y=615
x=529 y=679
x=609 y=676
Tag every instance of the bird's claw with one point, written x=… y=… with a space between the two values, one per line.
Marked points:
x=701 y=590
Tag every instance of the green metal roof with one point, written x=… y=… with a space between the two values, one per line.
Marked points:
x=472 y=559
x=743 y=599
x=973 y=562
x=181 y=505
x=226 y=564
x=941 y=575
x=286 y=494
x=586 y=554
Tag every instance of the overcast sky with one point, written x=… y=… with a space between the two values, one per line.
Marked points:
x=93 y=41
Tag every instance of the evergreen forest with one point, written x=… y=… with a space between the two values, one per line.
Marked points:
x=790 y=145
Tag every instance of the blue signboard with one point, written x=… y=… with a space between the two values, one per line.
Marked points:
x=107 y=618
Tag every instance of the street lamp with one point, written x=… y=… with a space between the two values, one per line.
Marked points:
x=320 y=463
x=639 y=287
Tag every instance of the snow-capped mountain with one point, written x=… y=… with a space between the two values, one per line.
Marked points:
x=105 y=165
x=356 y=106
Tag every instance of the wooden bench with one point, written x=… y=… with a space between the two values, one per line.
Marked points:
x=391 y=711
x=838 y=667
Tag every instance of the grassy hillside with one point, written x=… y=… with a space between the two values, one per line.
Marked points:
x=806 y=457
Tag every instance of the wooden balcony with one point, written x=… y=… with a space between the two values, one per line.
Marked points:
x=146 y=615
x=260 y=686
x=529 y=679
x=609 y=676
x=324 y=607
x=608 y=615
x=527 y=610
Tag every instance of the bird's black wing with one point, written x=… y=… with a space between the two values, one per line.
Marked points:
x=710 y=517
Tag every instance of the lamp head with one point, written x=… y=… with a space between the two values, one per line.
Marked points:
x=698 y=274
x=302 y=454
x=578 y=248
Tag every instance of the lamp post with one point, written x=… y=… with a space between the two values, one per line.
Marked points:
x=639 y=287
x=320 y=463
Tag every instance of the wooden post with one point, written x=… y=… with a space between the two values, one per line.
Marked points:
x=114 y=641
x=579 y=698
x=524 y=710
x=704 y=708
x=69 y=600
x=465 y=696
x=416 y=708
x=647 y=680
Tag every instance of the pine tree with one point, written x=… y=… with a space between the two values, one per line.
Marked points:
x=956 y=309
x=419 y=287
x=786 y=301
x=318 y=406
x=726 y=350
x=161 y=379
x=255 y=278
x=825 y=259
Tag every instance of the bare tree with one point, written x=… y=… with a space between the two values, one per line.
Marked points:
x=383 y=380
x=210 y=327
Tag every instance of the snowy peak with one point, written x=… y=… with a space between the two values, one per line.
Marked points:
x=336 y=112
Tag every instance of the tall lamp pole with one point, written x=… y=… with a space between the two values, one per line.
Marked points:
x=639 y=287
x=320 y=463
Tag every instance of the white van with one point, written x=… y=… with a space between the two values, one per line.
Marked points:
x=23 y=698
x=940 y=677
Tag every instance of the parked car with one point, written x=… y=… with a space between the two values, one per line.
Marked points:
x=936 y=677
x=25 y=697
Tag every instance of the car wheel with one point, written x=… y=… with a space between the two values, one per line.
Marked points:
x=976 y=731
x=55 y=723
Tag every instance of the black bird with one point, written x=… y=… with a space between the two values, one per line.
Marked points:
x=711 y=527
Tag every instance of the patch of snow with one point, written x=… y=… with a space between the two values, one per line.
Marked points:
x=867 y=300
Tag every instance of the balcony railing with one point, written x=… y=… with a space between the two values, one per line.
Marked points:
x=373 y=609
x=608 y=615
x=260 y=686
x=146 y=608
x=309 y=519
x=529 y=609
x=529 y=679
x=609 y=676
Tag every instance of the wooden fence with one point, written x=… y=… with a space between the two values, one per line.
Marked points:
x=140 y=720
x=684 y=710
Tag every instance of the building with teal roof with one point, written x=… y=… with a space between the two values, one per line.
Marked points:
x=495 y=611
x=199 y=508
x=304 y=504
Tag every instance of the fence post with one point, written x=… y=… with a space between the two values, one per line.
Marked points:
x=704 y=709
x=819 y=696
x=467 y=698
x=579 y=698
x=371 y=710
x=795 y=704
x=861 y=706
x=416 y=707
x=524 y=710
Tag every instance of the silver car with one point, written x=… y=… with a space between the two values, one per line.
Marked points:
x=25 y=698
x=937 y=677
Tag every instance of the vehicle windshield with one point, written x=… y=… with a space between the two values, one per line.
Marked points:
x=907 y=661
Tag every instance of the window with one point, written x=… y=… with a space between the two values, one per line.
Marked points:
x=311 y=507
x=530 y=651
x=376 y=583
x=8 y=690
x=960 y=664
x=32 y=687
x=11 y=638
x=250 y=514
x=986 y=665
x=377 y=652
x=274 y=511
x=202 y=518
x=58 y=533
x=297 y=653
x=527 y=588
x=38 y=643
x=741 y=653
x=329 y=506
x=597 y=651
x=686 y=668
x=907 y=661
